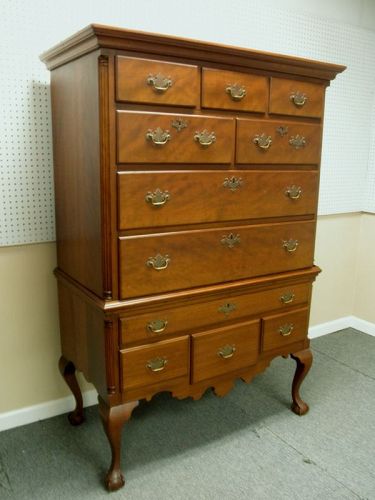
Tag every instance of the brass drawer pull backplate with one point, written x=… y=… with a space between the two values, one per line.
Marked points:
x=232 y=183
x=227 y=308
x=287 y=298
x=231 y=240
x=159 y=262
x=159 y=82
x=236 y=91
x=158 y=197
x=297 y=141
x=158 y=136
x=293 y=192
x=157 y=364
x=157 y=326
x=205 y=138
x=290 y=245
x=263 y=141
x=226 y=351
x=286 y=330
x=298 y=99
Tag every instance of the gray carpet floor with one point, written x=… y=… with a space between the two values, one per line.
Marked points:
x=248 y=445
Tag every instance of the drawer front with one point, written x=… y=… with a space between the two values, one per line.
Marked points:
x=277 y=142
x=231 y=90
x=156 y=82
x=224 y=350
x=286 y=328
x=158 y=263
x=170 y=321
x=291 y=97
x=150 y=199
x=168 y=138
x=147 y=365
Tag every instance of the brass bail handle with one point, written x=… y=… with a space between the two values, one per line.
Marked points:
x=157 y=364
x=286 y=330
x=226 y=351
x=157 y=198
x=236 y=91
x=298 y=99
x=157 y=326
x=287 y=298
x=159 y=262
x=290 y=245
x=263 y=141
x=159 y=82
x=159 y=137
x=293 y=192
x=205 y=138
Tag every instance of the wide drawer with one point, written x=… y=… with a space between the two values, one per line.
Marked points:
x=285 y=328
x=232 y=90
x=156 y=82
x=149 y=199
x=147 y=365
x=224 y=350
x=168 y=138
x=277 y=142
x=173 y=320
x=171 y=261
x=291 y=97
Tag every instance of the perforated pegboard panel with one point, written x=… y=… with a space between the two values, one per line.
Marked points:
x=29 y=28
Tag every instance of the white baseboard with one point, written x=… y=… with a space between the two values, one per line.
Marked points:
x=42 y=411
x=50 y=409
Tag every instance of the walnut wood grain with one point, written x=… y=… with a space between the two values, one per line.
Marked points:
x=76 y=148
x=134 y=147
x=282 y=104
x=280 y=150
x=134 y=362
x=200 y=257
x=208 y=196
x=132 y=86
x=226 y=310
x=214 y=93
x=271 y=336
x=208 y=350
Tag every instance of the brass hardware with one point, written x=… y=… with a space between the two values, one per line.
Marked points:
x=286 y=330
x=287 y=298
x=282 y=130
x=158 y=136
x=226 y=351
x=227 y=308
x=297 y=141
x=298 y=98
x=236 y=91
x=157 y=364
x=159 y=82
x=157 y=326
x=159 y=262
x=158 y=197
x=293 y=192
x=179 y=124
x=263 y=141
x=232 y=183
x=231 y=240
x=205 y=138
x=290 y=245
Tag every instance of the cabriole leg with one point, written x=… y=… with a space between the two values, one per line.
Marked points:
x=113 y=419
x=68 y=371
x=304 y=361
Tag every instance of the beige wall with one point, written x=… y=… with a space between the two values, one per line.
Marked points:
x=29 y=340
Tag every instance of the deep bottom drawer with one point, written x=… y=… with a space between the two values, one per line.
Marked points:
x=147 y=365
x=224 y=350
x=286 y=328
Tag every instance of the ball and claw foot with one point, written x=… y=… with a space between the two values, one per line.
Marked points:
x=304 y=361
x=114 y=480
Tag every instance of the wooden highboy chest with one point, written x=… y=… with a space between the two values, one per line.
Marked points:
x=186 y=181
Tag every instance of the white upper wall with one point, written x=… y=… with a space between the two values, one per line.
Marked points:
x=337 y=31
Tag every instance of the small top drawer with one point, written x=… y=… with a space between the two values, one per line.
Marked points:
x=156 y=82
x=232 y=90
x=291 y=97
